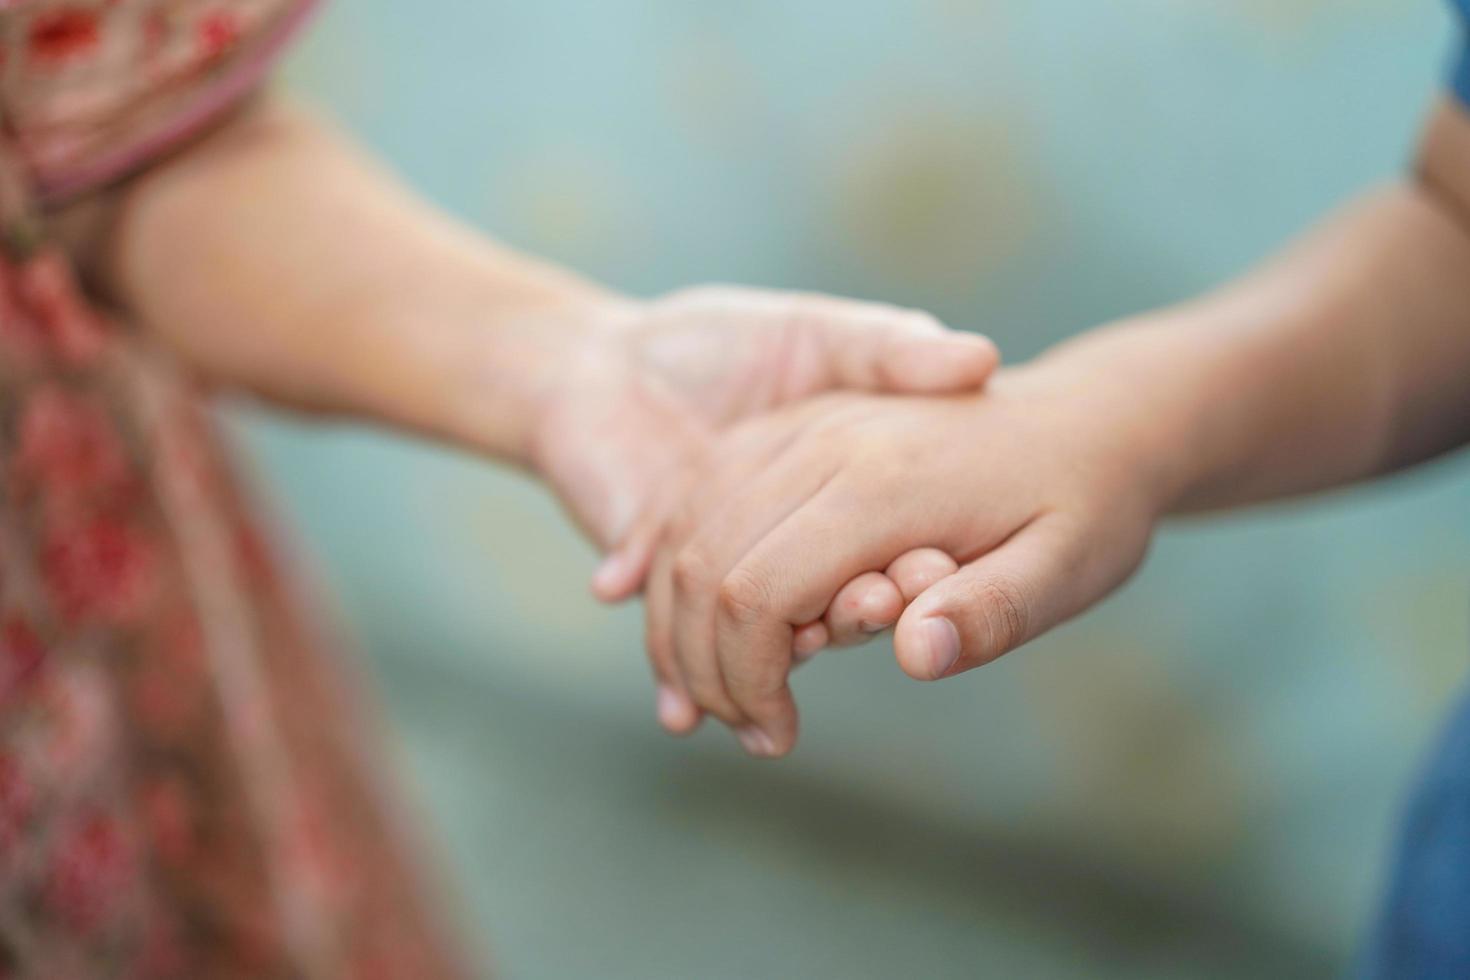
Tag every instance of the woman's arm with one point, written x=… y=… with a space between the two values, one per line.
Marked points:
x=272 y=255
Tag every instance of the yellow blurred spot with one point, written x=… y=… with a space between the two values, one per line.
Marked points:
x=935 y=200
x=1152 y=778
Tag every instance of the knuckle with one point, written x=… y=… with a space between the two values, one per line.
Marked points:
x=691 y=571
x=1005 y=612
x=743 y=598
x=681 y=525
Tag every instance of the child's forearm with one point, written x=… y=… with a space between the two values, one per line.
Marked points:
x=272 y=256
x=1347 y=357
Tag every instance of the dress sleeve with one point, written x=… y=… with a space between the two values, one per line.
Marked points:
x=93 y=90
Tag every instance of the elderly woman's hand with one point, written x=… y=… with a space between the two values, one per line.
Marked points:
x=655 y=381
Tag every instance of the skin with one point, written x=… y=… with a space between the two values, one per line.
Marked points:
x=1344 y=358
x=272 y=256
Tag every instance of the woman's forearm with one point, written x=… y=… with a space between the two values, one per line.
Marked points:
x=273 y=256
x=1344 y=358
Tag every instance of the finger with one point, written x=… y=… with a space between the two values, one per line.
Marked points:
x=691 y=639
x=864 y=606
x=872 y=602
x=757 y=678
x=788 y=578
x=949 y=364
x=663 y=532
x=996 y=603
x=677 y=712
x=748 y=449
x=652 y=546
x=809 y=640
x=721 y=539
x=876 y=346
x=916 y=570
x=625 y=570
x=885 y=348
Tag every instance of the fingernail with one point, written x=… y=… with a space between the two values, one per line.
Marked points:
x=868 y=627
x=673 y=708
x=755 y=741
x=944 y=644
x=610 y=574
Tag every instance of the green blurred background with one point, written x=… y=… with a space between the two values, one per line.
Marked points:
x=1199 y=779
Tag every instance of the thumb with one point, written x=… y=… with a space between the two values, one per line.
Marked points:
x=998 y=602
x=882 y=348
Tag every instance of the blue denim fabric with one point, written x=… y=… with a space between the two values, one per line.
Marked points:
x=1424 y=927
x=1460 y=77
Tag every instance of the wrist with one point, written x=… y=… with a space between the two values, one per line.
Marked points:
x=493 y=362
x=1142 y=392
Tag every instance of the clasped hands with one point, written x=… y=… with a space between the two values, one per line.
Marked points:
x=779 y=473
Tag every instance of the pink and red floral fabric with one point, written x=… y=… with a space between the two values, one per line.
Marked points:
x=185 y=784
x=93 y=88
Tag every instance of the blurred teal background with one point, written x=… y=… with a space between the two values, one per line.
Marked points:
x=1198 y=779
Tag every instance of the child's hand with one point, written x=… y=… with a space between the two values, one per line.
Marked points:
x=641 y=387
x=1037 y=487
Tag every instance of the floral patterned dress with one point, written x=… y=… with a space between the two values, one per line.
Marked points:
x=184 y=785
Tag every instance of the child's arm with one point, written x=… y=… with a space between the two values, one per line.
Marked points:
x=273 y=255
x=1347 y=357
